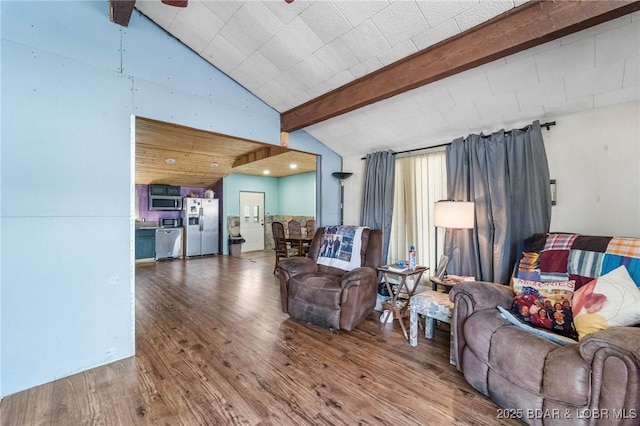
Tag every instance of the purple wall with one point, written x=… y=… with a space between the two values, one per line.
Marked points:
x=154 y=216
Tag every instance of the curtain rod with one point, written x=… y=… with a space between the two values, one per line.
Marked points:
x=548 y=125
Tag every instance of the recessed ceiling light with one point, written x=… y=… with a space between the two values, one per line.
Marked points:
x=214 y=165
x=293 y=166
x=170 y=160
x=266 y=172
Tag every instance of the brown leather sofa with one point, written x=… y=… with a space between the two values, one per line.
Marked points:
x=595 y=381
x=328 y=296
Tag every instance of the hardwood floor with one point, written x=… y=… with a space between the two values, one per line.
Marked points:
x=213 y=347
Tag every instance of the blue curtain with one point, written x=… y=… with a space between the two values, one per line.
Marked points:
x=507 y=176
x=377 y=205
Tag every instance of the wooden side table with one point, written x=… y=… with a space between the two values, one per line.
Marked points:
x=400 y=304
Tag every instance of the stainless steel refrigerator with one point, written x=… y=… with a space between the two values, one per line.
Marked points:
x=200 y=221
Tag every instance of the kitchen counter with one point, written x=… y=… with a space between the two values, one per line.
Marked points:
x=147 y=225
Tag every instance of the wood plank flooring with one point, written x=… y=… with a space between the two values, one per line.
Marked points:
x=213 y=348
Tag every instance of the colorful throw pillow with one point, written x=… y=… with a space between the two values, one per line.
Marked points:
x=610 y=300
x=555 y=338
x=545 y=305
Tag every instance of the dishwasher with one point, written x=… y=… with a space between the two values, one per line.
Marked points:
x=168 y=243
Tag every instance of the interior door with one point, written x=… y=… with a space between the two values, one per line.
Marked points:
x=252 y=220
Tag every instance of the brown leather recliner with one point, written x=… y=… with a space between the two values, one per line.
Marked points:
x=327 y=296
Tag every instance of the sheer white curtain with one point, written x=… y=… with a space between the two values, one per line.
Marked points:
x=421 y=180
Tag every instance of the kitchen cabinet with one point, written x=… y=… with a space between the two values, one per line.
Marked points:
x=161 y=189
x=145 y=243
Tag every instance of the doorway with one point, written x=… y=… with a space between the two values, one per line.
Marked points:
x=252 y=220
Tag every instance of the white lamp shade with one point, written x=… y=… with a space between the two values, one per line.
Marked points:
x=454 y=214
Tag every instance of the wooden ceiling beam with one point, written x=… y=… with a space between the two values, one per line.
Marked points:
x=259 y=154
x=529 y=25
x=120 y=11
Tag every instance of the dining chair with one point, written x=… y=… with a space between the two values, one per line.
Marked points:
x=295 y=229
x=311 y=227
x=280 y=245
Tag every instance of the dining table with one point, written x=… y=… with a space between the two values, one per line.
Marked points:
x=301 y=241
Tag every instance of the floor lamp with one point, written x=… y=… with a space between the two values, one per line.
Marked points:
x=342 y=176
x=453 y=215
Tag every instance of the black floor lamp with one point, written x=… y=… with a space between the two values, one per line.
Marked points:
x=342 y=176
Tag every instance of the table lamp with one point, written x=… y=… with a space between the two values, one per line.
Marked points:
x=454 y=215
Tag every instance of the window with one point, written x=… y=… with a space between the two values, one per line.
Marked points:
x=420 y=181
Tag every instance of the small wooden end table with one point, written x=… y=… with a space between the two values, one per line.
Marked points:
x=399 y=298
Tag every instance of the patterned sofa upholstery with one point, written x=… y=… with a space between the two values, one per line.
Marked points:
x=591 y=382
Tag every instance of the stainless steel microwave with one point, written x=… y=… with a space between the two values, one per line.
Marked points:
x=165 y=202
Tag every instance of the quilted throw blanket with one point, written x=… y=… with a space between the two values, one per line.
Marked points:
x=340 y=247
x=560 y=257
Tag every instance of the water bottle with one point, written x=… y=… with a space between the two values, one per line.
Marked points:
x=412 y=258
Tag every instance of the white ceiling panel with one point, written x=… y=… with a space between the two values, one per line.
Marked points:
x=357 y=12
x=285 y=12
x=433 y=96
x=482 y=12
x=183 y=30
x=566 y=59
x=336 y=56
x=614 y=97
x=224 y=10
x=292 y=45
x=224 y=54
x=251 y=26
x=366 y=67
x=334 y=82
x=256 y=69
x=158 y=12
x=200 y=20
x=631 y=72
x=400 y=51
x=619 y=43
x=554 y=109
x=400 y=21
x=326 y=21
x=365 y=41
x=538 y=94
x=492 y=108
x=518 y=119
x=438 y=12
x=436 y=34
x=472 y=87
x=603 y=79
x=512 y=75
x=290 y=53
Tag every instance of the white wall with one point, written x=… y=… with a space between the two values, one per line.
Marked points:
x=595 y=158
x=327 y=187
x=353 y=189
x=73 y=80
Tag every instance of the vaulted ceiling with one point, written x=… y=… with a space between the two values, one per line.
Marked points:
x=373 y=74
